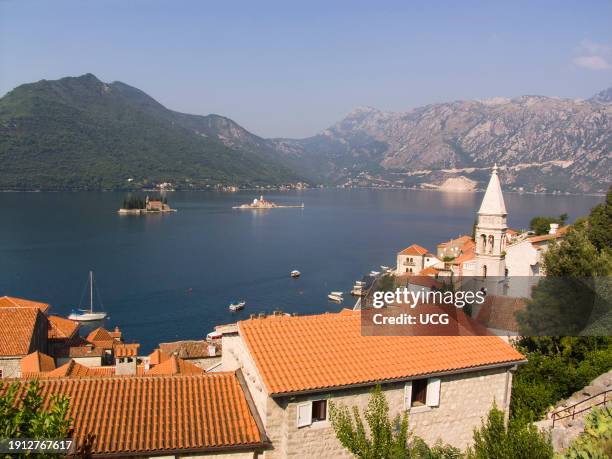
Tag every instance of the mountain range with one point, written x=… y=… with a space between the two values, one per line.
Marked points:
x=81 y=133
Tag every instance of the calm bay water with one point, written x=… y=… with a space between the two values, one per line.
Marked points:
x=169 y=277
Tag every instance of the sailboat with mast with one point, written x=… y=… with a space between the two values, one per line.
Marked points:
x=88 y=315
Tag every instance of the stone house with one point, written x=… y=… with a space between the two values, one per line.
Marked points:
x=414 y=259
x=294 y=367
x=23 y=330
x=201 y=353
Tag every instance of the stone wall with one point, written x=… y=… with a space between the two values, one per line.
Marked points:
x=464 y=400
x=10 y=367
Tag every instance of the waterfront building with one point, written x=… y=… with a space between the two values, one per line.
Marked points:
x=294 y=366
x=414 y=259
x=200 y=353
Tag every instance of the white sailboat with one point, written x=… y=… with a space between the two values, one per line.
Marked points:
x=88 y=315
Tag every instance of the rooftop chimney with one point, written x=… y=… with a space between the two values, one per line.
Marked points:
x=212 y=351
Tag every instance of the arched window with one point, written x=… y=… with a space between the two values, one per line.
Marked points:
x=491 y=242
x=483 y=239
x=484 y=271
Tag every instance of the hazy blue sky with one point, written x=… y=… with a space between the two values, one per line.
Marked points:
x=289 y=69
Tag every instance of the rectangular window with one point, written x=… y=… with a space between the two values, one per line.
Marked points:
x=319 y=410
x=419 y=392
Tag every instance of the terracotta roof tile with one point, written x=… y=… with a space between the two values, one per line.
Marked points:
x=296 y=354
x=499 y=312
x=157 y=356
x=126 y=350
x=461 y=240
x=12 y=302
x=99 y=334
x=414 y=249
x=130 y=415
x=548 y=237
x=36 y=362
x=17 y=326
x=174 y=366
x=60 y=328
x=73 y=369
x=194 y=349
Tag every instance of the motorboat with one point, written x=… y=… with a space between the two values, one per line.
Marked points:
x=336 y=297
x=295 y=273
x=374 y=273
x=88 y=315
x=236 y=306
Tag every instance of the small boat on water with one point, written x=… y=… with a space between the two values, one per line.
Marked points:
x=336 y=297
x=88 y=315
x=236 y=306
x=374 y=273
x=295 y=273
x=358 y=289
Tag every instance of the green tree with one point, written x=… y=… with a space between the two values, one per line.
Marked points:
x=541 y=224
x=495 y=439
x=600 y=224
x=23 y=415
x=596 y=440
x=387 y=439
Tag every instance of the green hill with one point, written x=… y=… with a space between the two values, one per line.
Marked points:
x=79 y=133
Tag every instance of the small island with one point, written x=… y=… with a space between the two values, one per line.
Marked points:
x=136 y=205
x=261 y=203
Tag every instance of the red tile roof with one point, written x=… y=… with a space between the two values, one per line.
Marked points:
x=414 y=249
x=296 y=354
x=157 y=356
x=194 y=349
x=461 y=240
x=12 y=302
x=101 y=337
x=138 y=415
x=499 y=312
x=35 y=363
x=60 y=328
x=126 y=350
x=17 y=327
x=174 y=366
x=73 y=369
x=548 y=237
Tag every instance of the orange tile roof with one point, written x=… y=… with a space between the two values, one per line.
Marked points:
x=17 y=327
x=193 y=349
x=157 y=356
x=137 y=415
x=83 y=351
x=174 y=366
x=36 y=362
x=499 y=312
x=414 y=249
x=459 y=241
x=12 y=302
x=429 y=271
x=73 y=369
x=126 y=350
x=423 y=279
x=116 y=333
x=305 y=353
x=60 y=328
x=102 y=338
x=547 y=237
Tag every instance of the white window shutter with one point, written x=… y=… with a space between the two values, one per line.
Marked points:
x=304 y=414
x=408 y=395
x=433 y=392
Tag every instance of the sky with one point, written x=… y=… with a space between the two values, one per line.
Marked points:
x=292 y=69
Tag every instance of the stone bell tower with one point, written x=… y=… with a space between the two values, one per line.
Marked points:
x=491 y=231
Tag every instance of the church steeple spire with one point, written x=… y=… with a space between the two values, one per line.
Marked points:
x=493 y=201
x=491 y=230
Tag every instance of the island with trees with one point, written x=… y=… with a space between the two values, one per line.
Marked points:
x=137 y=205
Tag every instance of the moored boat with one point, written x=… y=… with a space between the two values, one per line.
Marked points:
x=295 y=273
x=336 y=297
x=236 y=306
x=88 y=315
